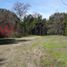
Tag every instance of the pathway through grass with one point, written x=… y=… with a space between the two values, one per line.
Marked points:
x=36 y=51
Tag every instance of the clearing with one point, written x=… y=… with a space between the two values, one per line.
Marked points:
x=35 y=51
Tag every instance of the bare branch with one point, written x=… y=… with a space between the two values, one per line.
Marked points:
x=21 y=9
x=64 y=3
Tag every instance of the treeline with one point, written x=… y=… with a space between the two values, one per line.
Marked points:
x=32 y=24
x=17 y=23
x=36 y=25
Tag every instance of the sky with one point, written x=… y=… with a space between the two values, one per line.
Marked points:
x=43 y=7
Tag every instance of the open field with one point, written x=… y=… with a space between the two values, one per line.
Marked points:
x=35 y=51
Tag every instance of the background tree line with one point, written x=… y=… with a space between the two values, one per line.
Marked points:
x=36 y=25
x=33 y=24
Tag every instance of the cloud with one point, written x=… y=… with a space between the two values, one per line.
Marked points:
x=44 y=7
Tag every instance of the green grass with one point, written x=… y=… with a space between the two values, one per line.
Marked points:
x=40 y=51
x=57 y=48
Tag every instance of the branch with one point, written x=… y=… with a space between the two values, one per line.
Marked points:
x=64 y=3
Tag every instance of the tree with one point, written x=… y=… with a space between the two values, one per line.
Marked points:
x=65 y=3
x=56 y=24
x=33 y=24
x=28 y=24
x=21 y=9
x=8 y=23
x=65 y=23
x=40 y=27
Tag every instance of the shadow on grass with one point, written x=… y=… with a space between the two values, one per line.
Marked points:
x=2 y=61
x=11 y=41
x=7 y=41
x=23 y=40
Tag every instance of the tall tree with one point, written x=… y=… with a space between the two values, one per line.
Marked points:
x=9 y=23
x=21 y=9
x=56 y=24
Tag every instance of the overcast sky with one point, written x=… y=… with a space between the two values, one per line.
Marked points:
x=44 y=7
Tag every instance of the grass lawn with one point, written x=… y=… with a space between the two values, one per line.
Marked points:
x=56 y=47
x=38 y=51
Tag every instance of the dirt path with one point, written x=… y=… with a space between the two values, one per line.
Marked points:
x=27 y=52
x=31 y=52
x=21 y=54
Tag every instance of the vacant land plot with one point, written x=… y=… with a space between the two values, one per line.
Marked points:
x=35 y=51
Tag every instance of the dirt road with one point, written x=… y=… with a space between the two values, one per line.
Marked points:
x=21 y=54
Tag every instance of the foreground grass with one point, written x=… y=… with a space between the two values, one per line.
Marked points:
x=57 y=48
x=38 y=51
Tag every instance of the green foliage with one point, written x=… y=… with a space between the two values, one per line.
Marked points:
x=56 y=24
x=36 y=25
x=33 y=25
x=65 y=30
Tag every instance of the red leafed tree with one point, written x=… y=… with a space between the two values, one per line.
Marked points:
x=8 y=23
x=5 y=31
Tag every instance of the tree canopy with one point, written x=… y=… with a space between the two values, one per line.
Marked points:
x=8 y=23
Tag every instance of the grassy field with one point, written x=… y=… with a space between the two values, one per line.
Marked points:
x=35 y=51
